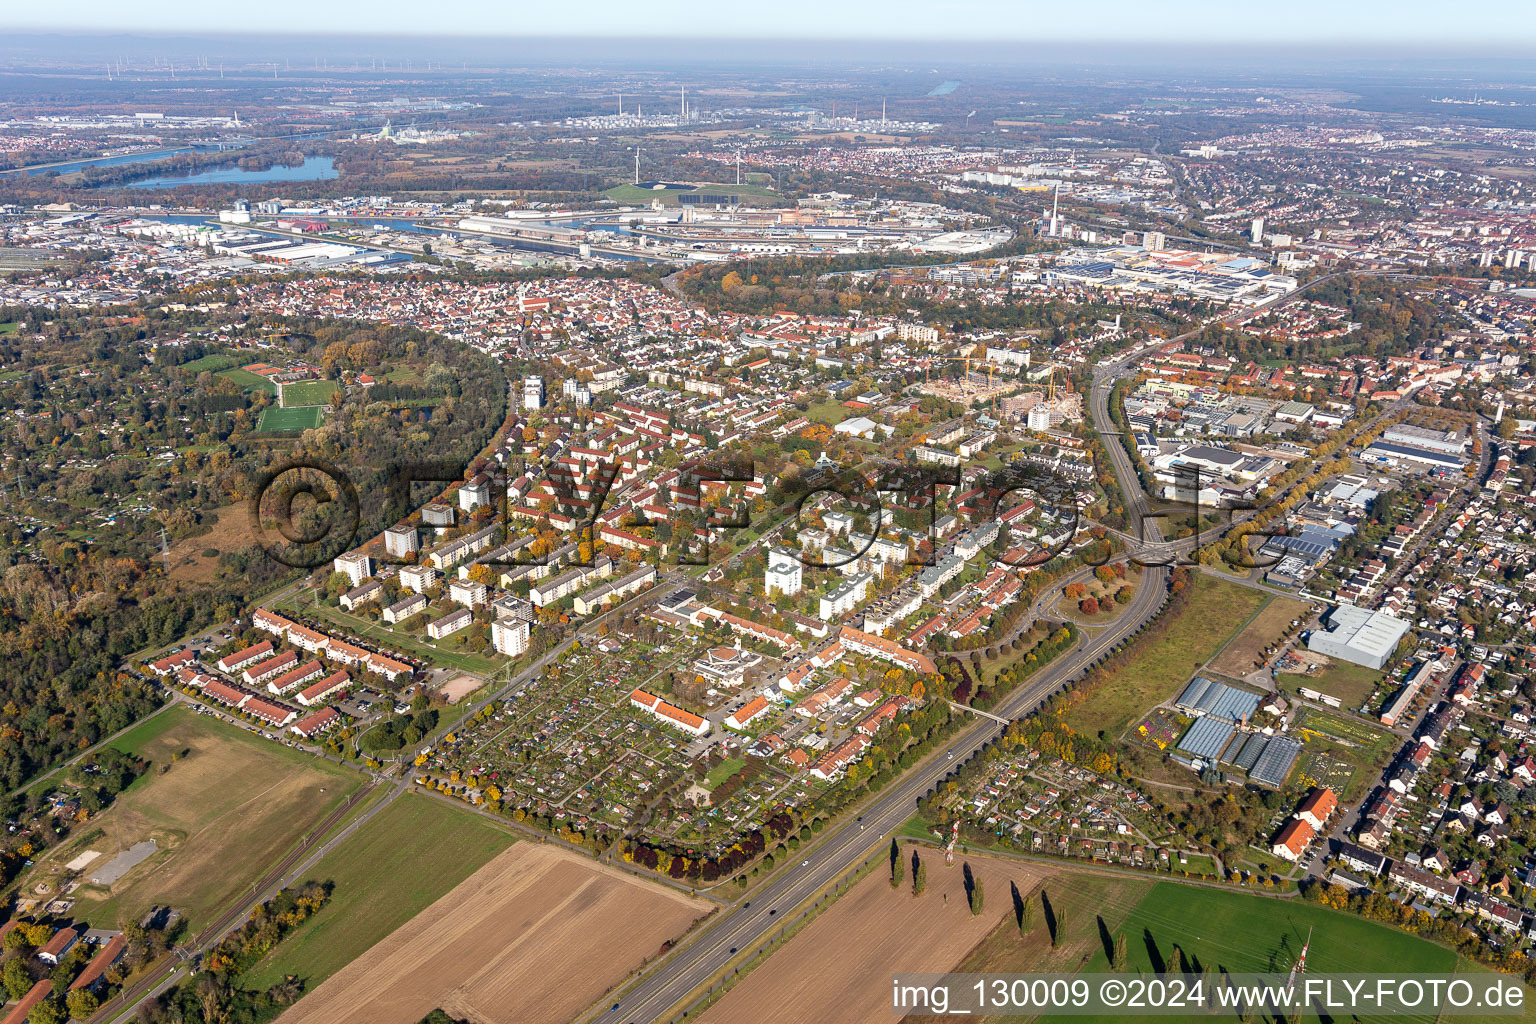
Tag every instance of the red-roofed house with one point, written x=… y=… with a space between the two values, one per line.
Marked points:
x=23 y=1009
x=271 y=667
x=170 y=663
x=269 y=711
x=324 y=688
x=240 y=659
x=739 y=718
x=110 y=954
x=317 y=723
x=293 y=679
x=1292 y=841
x=62 y=942
x=1318 y=808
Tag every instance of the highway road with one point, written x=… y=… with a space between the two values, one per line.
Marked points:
x=745 y=925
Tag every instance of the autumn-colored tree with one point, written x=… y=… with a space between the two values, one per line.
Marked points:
x=1089 y=605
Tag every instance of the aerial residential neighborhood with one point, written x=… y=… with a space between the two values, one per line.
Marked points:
x=650 y=498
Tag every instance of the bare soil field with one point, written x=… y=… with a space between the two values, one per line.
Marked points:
x=220 y=816
x=231 y=531
x=459 y=687
x=1238 y=658
x=534 y=937
x=837 y=970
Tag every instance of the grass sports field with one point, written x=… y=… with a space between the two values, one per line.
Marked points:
x=276 y=421
x=1216 y=610
x=308 y=392
x=249 y=381
x=213 y=362
x=402 y=861
x=221 y=815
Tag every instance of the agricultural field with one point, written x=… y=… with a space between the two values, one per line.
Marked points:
x=278 y=421
x=1240 y=932
x=221 y=804
x=1215 y=611
x=1343 y=749
x=537 y=935
x=400 y=862
x=1078 y=901
x=875 y=931
x=1243 y=654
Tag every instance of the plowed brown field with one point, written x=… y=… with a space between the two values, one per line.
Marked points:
x=535 y=936
x=837 y=970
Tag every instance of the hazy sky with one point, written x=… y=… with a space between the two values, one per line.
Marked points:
x=1429 y=23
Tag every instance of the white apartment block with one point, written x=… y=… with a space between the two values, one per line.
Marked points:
x=355 y=565
x=510 y=636
x=419 y=578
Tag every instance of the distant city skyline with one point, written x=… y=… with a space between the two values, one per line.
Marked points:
x=1498 y=24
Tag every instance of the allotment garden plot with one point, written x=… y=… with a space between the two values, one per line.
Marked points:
x=573 y=751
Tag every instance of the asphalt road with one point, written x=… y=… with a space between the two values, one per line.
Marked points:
x=743 y=926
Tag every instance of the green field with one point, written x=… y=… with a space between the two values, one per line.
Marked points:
x=222 y=805
x=308 y=392
x=830 y=412
x=724 y=770
x=249 y=381
x=1352 y=684
x=1216 y=610
x=399 y=863
x=9 y=327
x=278 y=421
x=213 y=362
x=751 y=195
x=1232 y=931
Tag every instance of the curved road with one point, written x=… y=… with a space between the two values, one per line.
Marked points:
x=741 y=927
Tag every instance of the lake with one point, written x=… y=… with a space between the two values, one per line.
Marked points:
x=314 y=168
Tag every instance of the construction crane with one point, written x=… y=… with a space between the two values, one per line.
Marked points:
x=966 y=380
